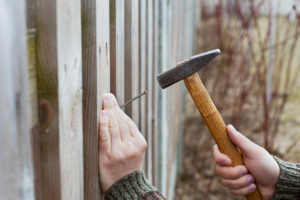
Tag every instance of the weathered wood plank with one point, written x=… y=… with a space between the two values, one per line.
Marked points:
x=34 y=126
x=104 y=49
x=149 y=79
x=117 y=9
x=16 y=169
x=132 y=58
x=163 y=131
x=156 y=89
x=60 y=97
x=30 y=14
x=95 y=39
x=142 y=70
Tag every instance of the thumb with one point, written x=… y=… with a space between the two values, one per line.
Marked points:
x=246 y=146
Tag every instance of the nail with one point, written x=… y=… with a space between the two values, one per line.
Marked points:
x=108 y=98
x=243 y=171
x=224 y=163
x=250 y=179
x=251 y=187
x=232 y=129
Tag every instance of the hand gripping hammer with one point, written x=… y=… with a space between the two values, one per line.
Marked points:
x=187 y=70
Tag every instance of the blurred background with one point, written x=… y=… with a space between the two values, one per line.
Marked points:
x=254 y=84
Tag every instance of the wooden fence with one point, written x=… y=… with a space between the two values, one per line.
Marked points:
x=57 y=58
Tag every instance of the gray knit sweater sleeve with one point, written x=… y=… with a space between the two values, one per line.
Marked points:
x=288 y=184
x=134 y=186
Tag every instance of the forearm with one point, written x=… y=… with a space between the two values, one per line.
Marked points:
x=288 y=184
x=133 y=187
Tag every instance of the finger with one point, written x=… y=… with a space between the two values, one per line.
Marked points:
x=221 y=158
x=231 y=172
x=125 y=132
x=246 y=146
x=134 y=131
x=239 y=183
x=110 y=104
x=104 y=137
x=243 y=191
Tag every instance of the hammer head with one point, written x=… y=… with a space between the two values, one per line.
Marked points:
x=186 y=68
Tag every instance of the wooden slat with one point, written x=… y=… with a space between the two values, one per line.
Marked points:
x=131 y=57
x=117 y=9
x=162 y=98
x=95 y=55
x=34 y=126
x=60 y=97
x=16 y=169
x=103 y=38
x=142 y=70
x=156 y=88
x=149 y=78
x=30 y=14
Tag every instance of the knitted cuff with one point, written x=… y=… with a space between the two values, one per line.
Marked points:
x=133 y=186
x=288 y=184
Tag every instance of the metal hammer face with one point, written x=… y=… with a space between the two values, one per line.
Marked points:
x=186 y=68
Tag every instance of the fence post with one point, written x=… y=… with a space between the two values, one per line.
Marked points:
x=16 y=169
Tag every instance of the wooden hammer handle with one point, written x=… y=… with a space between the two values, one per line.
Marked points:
x=215 y=123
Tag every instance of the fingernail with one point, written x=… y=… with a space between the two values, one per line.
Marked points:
x=224 y=163
x=243 y=171
x=108 y=98
x=103 y=113
x=232 y=128
x=250 y=179
x=251 y=187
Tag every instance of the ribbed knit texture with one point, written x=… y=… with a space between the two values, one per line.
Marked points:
x=133 y=187
x=288 y=184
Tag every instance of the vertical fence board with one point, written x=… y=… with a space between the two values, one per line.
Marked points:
x=162 y=98
x=142 y=70
x=16 y=160
x=104 y=49
x=149 y=78
x=156 y=89
x=91 y=58
x=117 y=9
x=60 y=96
x=34 y=126
x=131 y=58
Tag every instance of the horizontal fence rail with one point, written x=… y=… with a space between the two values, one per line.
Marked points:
x=57 y=60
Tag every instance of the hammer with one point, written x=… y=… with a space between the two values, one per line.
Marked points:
x=188 y=71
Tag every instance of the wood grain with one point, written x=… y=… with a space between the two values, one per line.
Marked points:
x=214 y=122
x=16 y=169
x=142 y=70
x=91 y=58
x=60 y=98
x=132 y=58
x=149 y=79
x=117 y=15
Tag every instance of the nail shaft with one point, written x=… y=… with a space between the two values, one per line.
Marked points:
x=131 y=100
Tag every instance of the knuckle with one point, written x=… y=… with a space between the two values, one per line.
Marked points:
x=132 y=154
x=144 y=146
x=218 y=170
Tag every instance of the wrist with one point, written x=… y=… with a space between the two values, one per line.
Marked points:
x=132 y=186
